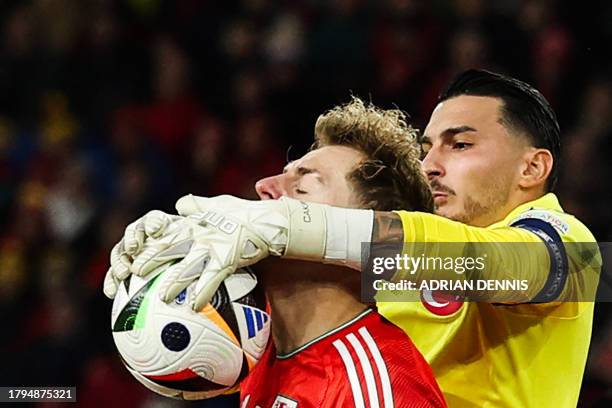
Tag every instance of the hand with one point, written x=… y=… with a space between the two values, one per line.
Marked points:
x=231 y=233
x=219 y=235
x=205 y=238
x=240 y=233
x=153 y=224
x=295 y=229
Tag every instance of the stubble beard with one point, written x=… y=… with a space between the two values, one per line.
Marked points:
x=484 y=207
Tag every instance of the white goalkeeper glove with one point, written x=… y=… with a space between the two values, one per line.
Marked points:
x=217 y=236
x=152 y=225
x=230 y=233
x=240 y=233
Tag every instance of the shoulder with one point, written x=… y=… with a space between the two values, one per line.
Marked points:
x=574 y=253
x=569 y=228
x=546 y=212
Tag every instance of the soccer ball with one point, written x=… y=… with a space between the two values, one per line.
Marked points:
x=184 y=354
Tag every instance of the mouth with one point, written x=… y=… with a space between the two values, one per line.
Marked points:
x=439 y=197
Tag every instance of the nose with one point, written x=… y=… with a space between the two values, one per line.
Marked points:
x=271 y=188
x=432 y=165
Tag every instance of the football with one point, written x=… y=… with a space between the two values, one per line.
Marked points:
x=184 y=354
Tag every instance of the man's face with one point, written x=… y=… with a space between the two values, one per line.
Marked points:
x=472 y=162
x=319 y=176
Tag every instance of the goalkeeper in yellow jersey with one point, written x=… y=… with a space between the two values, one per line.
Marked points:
x=491 y=149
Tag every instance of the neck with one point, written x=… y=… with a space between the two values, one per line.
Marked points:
x=520 y=198
x=307 y=300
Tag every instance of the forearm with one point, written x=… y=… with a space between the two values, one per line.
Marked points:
x=508 y=254
x=349 y=231
x=387 y=228
x=307 y=231
x=511 y=254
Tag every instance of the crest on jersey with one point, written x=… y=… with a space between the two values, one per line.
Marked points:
x=284 y=402
x=440 y=304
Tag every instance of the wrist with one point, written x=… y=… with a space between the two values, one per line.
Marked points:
x=306 y=238
x=347 y=230
x=319 y=232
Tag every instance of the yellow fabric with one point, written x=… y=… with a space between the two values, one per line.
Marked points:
x=493 y=355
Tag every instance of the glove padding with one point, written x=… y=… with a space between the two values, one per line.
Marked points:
x=218 y=236
x=295 y=229
x=153 y=224
x=244 y=232
x=231 y=233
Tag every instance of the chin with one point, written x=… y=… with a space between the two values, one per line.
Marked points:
x=445 y=212
x=441 y=210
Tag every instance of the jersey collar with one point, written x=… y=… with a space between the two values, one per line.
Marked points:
x=548 y=201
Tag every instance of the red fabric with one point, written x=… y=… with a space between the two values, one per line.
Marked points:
x=317 y=376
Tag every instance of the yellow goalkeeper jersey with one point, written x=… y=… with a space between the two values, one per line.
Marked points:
x=505 y=355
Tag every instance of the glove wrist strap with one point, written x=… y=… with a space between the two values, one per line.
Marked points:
x=333 y=235
x=307 y=230
x=347 y=229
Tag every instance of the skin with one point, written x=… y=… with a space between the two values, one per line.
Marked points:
x=329 y=294
x=478 y=167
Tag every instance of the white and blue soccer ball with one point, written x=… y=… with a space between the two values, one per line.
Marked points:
x=184 y=354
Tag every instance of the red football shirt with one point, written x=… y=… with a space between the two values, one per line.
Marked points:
x=367 y=362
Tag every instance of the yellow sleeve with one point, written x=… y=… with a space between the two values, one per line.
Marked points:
x=509 y=253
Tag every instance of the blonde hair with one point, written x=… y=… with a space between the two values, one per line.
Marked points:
x=390 y=178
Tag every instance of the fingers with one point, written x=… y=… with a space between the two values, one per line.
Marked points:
x=183 y=273
x=207 y=286
x=157 y=253
x=188 y=205
x=148 y=242
x=155 y=223
x=191 y=204
x=167 y=239
x=110 y=284
x=120 y=261
x=133 y=237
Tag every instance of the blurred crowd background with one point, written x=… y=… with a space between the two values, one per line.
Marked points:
x=111 y=108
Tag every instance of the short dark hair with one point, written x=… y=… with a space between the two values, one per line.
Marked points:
x=524 y=109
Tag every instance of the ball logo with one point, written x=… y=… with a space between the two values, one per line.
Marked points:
x=255 y=320
x=180 y=299
x=440 y=304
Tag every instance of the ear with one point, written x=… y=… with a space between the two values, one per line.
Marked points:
x=538 y=164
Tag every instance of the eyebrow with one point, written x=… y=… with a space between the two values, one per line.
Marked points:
x=303 y=170
x=450 y=132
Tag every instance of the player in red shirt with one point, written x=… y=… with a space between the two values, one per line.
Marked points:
x=329 y=349
x=367 y=362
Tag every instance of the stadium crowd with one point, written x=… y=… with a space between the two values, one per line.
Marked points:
x=111 y=108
